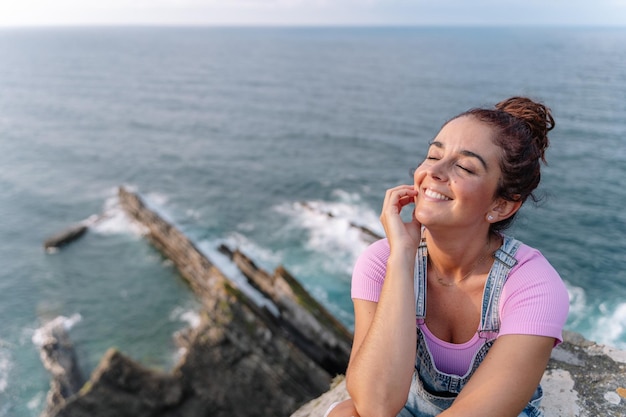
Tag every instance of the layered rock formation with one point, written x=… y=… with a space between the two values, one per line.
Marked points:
x=246 y=357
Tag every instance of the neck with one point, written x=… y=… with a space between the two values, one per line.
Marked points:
x=455 y=258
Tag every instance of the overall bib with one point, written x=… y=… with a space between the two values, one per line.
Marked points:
x=433 y=391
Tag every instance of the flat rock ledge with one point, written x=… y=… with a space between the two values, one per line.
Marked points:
x=583 y=379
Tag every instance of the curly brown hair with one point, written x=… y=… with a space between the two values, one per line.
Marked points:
x=521 y=128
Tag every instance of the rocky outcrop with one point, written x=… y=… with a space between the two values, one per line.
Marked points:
x=583 y=379
x=65 y=236
x=287 y=307
x=59 y=358
x=121 y=387
x=261 y=349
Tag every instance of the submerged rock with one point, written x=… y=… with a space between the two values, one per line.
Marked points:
x=65 y=236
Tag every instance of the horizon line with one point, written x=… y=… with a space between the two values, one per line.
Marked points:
x=312 y=25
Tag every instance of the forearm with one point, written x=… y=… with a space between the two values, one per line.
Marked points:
x=380 y=371
x=506 y=379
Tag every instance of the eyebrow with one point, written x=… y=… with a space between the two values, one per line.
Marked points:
x=440 y=145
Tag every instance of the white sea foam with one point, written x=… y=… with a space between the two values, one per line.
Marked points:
x=334 y=227
x=156 y=202
x=5 y=366
x=578 y=309
x=611 y=326
x=114 y=220
x=191 y=317
x=604 y=323
x=40 y=335
x=36 y=402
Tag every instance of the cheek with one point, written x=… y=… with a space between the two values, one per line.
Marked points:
x=419 y=175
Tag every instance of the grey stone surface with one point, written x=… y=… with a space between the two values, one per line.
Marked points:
x=583 y=379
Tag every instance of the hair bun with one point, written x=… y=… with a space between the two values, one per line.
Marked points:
x=537 y=117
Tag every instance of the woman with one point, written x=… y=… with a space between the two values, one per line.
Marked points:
x=488 y=309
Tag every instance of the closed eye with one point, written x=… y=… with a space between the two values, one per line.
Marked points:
x=465 y=169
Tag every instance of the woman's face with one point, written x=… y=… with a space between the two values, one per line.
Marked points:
x=458 y=179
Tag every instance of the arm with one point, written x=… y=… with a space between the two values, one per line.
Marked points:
x=383 y=353
x=506 y=379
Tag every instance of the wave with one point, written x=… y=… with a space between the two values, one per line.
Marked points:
x=340 y=230
x=604 y=323
x=611 y=326
x=5 y=366
x=189 y=316
x=36 y=402
x=114 y=220
x=40 y=335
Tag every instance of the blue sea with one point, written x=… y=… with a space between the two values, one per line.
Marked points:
x=228 y=130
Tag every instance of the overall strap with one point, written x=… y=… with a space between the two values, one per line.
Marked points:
x=503 y=263
x=419 y=279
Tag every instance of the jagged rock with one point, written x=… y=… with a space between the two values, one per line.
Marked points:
x=312 y=327
x=121 y=387
x=59 y=358
x=234 y=366
x=64 y=237
x=237 y=365
x=243 y=359
x=583 y=379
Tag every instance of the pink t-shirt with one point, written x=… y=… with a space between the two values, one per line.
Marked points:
x=534 y=301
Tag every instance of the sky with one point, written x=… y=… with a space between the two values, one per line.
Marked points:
x=313 y=12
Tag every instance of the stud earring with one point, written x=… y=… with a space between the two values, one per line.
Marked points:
x=490 y=217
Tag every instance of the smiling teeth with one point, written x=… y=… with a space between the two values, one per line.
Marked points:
x=434 y=194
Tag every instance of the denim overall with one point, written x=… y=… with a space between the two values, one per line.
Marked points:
x=433 y=391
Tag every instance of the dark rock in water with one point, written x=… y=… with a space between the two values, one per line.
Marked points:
x=64 y=237
x=59 y=358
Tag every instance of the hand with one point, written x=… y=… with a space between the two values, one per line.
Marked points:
x=400 y=234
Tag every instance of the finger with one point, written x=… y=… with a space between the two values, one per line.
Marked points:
x=400 y=192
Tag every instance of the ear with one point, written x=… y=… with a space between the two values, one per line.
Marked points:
x=502 y=209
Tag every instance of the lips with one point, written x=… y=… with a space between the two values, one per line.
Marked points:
x=434 y=194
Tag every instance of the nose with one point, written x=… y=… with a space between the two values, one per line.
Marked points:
x=435 y=169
